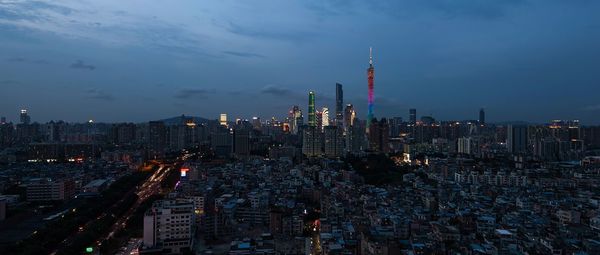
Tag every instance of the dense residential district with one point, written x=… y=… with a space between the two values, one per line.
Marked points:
x=329 y=185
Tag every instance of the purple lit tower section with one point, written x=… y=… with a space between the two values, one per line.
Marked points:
x=370 y=75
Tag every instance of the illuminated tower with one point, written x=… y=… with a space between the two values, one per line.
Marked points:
x=312 y=120
x=370 y=76
x=325 y=116
x=339 y=105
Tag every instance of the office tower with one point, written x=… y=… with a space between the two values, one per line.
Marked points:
x=516 y=139
x=481 y=117
x=349 y=116
x=412 y=116
x=241 y=141
x=325 y=117
x=221 y=141
x=333 y=140
x=296 y=119
x=339 y=104
x=370 y=77
x=181 y=136
x=223 y=119
x=395 y=126
x=379 y=136
x=356 y=135
x=311 y=141
x=157 y=135
x=25 y=119
x=256 y=125
x=319 y=120
x=312 y=118
x=2 y=120
x=168 y=226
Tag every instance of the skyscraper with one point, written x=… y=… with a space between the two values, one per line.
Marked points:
x=349 y=116
x=311 y=141
x=312 y=120
x=325 y=117
x=333 y=141
x=223 y=119
x=339 y=104
x=412 y=116
x=296 y=119
x=379 y=136
x=25 y=119
x=516 y=139
x=481 y=117
x=370 y=77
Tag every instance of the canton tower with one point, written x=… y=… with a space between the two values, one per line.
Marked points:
x=370 y=76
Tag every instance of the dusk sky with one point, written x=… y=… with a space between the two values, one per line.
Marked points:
x=115 y=60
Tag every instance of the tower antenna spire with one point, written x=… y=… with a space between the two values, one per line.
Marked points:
x=371 y=56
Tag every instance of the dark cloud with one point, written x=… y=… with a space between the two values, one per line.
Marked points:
x=16 y=59
x=411 y=8
x=243 y=54
x=81 y=65
x=270 y=33
x=24 y=60
x=592 y=108
x=99 y=95
x=275 y=90
x=10 y=82
x=193 y=93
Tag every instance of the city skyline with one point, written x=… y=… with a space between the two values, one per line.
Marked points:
x=114 y=61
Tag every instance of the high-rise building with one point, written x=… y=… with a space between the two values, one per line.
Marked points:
x=296 y=119
x=370 y=78
x=481 y=117
x=312 y=118
x=157 y=136
x=325 y=117
x=256 y=124
x=516 y=139
x=311 y=141
x=168 y=226
x=349 y=116
x=412 y=116
x=379 y=136
x=2 y=120
x=223 y=119
x=25 y=119
x=339 y=104
x=333 y=141
x=395 y=126
x=356 y=136
x=221 y=141
x=319 y=119
x=241 y=141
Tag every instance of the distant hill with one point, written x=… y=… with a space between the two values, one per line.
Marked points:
x=182 y=119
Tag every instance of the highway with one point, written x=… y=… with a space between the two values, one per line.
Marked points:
x=147 y=189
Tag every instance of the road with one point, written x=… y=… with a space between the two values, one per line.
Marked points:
x=149 y=188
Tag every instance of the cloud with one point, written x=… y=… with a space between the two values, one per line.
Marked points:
x=81 y=65
x=16 y=59
x=24 y=60
x=193 y=93
x=10 y=82
x=271 y=34
x=592 y=108
x=99 y=95
x=275 y=90
x=243 y=54
x=410 y=8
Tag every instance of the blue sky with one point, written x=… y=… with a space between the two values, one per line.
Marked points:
x=115 y=60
